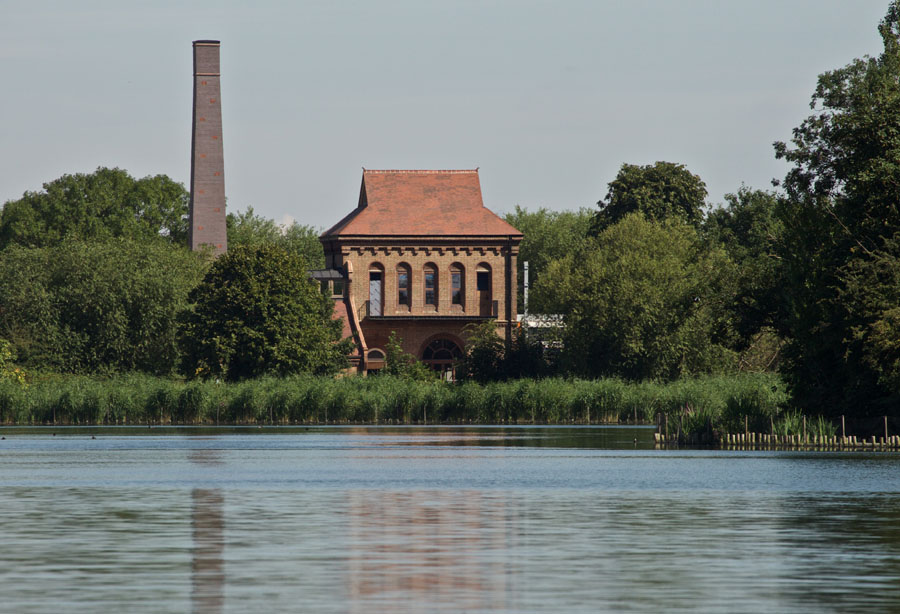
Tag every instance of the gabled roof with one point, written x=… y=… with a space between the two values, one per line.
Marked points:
x=421 y=203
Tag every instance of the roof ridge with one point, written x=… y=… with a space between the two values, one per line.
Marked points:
x=420 y=171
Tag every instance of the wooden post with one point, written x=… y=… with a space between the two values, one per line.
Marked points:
x=885 y=429
x=746 y=427
x=843 y=428
x=771 y=425
x=667 y=428
x=804 y=428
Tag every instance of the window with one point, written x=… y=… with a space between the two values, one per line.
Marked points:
x=484 y=281
x=431 y=288
x=483 y=290
x=442 y=350
x=442 y=355
x=457 y=295
x=337 y=287
x=376 y=297
x=403 y=286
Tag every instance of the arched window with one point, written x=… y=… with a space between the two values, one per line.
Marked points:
x=376 y=287
x=404 y=291
x=483 y=289
x=375 y=360
x=442 y=355
x=431 y=285
x=458 y=285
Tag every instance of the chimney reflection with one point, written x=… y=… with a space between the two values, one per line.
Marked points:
x=208 y=524
x=413 y=550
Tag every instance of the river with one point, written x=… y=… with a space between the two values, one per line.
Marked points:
x=437 y=519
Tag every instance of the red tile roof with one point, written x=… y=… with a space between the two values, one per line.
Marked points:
x=421 y=203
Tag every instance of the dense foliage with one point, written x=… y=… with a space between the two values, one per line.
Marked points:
x=547 y=236
x=247 y=228
x=691 y=404
x=749 y=229
x=660 y=191
x=105 y=204
x=9 y=372
x=82 y=307
x=646 y=300
x=258 y=312
x=842 y=234
x=402 y=364
x=488 y=357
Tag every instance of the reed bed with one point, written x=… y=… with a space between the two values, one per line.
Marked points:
x=688 y=405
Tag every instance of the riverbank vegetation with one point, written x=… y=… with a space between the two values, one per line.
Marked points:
x=717 y=402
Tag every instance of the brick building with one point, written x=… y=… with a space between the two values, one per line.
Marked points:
x=422 y=256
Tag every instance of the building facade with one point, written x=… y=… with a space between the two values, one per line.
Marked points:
x=421 y=257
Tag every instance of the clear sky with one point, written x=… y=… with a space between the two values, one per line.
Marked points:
x=549 y=99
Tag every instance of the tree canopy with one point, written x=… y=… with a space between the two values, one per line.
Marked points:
x=645 y=300
x=658 y=191
x=749 y=229
x=248 y=228
x=547 y=235
x=101 y=306
x=842 y=219
x=257 y=312
x=105 y=204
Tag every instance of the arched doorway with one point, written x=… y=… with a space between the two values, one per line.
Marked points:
x=442 y=354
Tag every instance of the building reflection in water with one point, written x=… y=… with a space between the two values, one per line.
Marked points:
x=426 y=551
x=208 y=525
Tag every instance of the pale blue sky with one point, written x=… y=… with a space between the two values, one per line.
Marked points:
x=547 y=98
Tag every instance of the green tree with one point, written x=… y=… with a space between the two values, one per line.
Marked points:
x=659 y=191
x=488 y=358
x=647 y=300
x=96 y=307
x=247 y=228
x=841 y=215
x=257 y=312
x=105 y=204
x=400 y=363
x=9 y=372
x=485 y=353
x=547 y=236
x=750 y=230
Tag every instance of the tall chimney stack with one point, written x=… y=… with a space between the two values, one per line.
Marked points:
x=207 y=210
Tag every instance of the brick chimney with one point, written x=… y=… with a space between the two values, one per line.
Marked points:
x=207 y=210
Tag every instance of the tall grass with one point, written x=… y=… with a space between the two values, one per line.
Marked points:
x=689 y=405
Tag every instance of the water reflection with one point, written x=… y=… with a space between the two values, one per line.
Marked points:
x=208 y=531
x=427 y=551
x=439 y=520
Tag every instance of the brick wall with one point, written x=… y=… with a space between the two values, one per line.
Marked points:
x=207 y=207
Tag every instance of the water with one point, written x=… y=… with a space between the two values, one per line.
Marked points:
x=438 y=520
